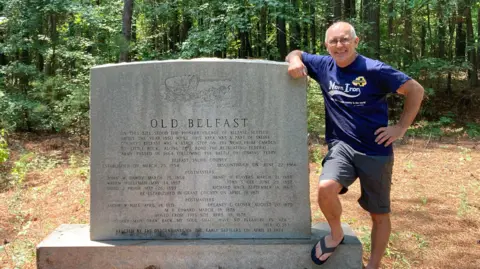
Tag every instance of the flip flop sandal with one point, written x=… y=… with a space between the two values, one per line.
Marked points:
x=324 y=249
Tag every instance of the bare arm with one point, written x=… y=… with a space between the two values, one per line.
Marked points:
x=294 y=55
x=296 y=68
x=413 y=93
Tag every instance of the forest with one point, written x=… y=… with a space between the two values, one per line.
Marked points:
x=47 y=48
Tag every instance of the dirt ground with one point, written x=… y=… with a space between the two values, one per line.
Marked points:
x=435 y=201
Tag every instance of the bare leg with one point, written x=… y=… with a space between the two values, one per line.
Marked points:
x=332 y=210
x=380 y=235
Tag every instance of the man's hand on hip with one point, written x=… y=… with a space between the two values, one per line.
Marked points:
x=389 y=134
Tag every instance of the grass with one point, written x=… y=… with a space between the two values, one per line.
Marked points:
x=423 y=200
x=463 y=207
x=39 y=184
x=435 y=201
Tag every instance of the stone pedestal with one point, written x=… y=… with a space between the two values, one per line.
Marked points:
x=70 y=247
x=196 y=164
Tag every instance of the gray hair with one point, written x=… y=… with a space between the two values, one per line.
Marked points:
x=352 y=30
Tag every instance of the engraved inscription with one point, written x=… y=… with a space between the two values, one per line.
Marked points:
x=198 y=149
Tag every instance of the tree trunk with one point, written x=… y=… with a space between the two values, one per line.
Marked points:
x=407 y=35
x=372 y=18
x=155 y=45
x=423 y=37
x=336 y=6
x=24 y=79
x=281 y=38
x=460 y=41
x=450 y=50
x=263 y=32
x=174 y=32
x=24 y=87
x=3 y=59
x=362 y=5
x=305 y=26
x=478 y=33
x=40 y=62
x=126 y=30
x=52 y=23
x=390 y=21
x=441 y=29
x=294 y=28
x=165 y=43
x=313 y=32
x=244 y=34
x=245 y=47
x=349 y=9
x=185 y=27
x=39 y=59
x=472 y=56
x=429 y=28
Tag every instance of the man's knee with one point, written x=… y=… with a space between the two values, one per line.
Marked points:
x=328 y=188
x=380 y=218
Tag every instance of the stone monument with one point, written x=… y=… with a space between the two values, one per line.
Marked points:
x=196 y=164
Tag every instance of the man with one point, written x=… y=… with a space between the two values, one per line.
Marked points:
x=357 y=132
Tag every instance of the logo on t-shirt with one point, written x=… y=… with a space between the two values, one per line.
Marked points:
x=344 y=90
x=360 y=81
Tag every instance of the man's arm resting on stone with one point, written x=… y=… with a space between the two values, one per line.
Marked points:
x=296 y=68
x=413 y=92
x=294 y=55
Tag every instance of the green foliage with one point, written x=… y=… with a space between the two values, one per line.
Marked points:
x=68 y=99
x=48 y=47
x=473 y=130
x=22 y=251
x=316 y=109
x=20 y=169
x=446 y=125
x=47 y=87
x=316 y=155
x=4 y=151
x=394 y=253
x=464 y=206
x=42 y=162
x=204 y=42
x=424 y=200
x=365 y=238
x=434 y=128
x=78 y=166
x=435 y=68
x=465 y=155
x=422 y=243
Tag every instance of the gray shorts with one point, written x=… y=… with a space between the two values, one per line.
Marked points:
x=344 y=164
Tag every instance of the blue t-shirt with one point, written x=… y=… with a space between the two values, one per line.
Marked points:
x=355 y=99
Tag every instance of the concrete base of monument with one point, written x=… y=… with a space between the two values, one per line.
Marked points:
x=69 y=247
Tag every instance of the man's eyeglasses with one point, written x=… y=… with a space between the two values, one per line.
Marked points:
x=343 y=41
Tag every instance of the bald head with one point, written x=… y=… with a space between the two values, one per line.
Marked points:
x=341 y=42
x=341 y=25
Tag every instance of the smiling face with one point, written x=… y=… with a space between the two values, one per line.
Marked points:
x=341 y=43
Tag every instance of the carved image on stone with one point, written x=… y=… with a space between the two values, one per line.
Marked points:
x=190 y=87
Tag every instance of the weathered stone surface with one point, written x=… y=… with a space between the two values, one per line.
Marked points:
x=198 y=149
x=69 y=247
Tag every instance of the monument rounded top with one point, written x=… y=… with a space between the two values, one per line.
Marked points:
x=197 y=60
